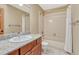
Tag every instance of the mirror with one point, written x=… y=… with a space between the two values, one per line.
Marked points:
x=16 y=20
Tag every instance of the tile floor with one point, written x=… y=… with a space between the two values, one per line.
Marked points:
x=54 y=48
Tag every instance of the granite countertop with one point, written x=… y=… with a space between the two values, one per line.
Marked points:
x=6 y=46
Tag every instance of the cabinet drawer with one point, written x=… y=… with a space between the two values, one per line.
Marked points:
x=16 y=52
x=26 y=48
x=36 y=50
x=28 y=53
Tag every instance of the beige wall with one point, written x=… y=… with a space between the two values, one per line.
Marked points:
x=56 y=27
x=75 y=17
x=12 y=19
x=34 y=18
x=27 y=24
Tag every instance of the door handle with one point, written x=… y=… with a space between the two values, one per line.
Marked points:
x=76 y=22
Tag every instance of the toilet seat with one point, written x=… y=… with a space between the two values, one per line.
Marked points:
x=44 y=43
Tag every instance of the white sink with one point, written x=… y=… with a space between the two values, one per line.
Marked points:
x=20 y=38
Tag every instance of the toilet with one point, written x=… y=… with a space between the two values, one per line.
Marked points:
x=45 y=46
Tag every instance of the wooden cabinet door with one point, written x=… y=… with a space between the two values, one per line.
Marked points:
x=26 y=48
x=34 y=43
x=36 y=50
x=39 y=41
x=28 y=53
x=1 y=21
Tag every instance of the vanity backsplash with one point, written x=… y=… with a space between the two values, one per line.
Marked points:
x=10 y=35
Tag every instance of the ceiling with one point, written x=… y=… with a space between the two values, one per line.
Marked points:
x=50 y=6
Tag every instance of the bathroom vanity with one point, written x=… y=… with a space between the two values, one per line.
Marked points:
x=32 y=48
x=29 y=47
